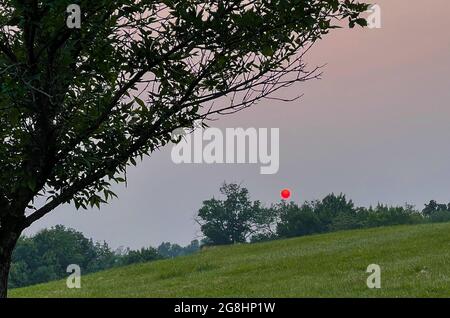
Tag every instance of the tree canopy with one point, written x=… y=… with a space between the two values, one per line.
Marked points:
x=234 y=219
x=46 y=255
x=78 y=105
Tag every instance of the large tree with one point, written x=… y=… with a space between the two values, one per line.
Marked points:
x=77 y=105
x=235 y=219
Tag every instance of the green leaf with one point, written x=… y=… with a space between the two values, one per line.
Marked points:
x=140 y=102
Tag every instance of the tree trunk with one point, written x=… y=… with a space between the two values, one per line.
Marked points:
x=5 y=265
x=9 y=234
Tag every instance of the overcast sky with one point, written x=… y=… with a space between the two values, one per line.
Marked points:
x=375 y=127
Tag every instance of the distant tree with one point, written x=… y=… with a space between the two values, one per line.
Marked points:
x=332 y=207
x=234 y=219
x=46 y=255
x=193 y=247
x=266 y=221
x=336 y=213
x=430 y=208
x=298 y=221
x=383 y=215
x=434 y=207
x=169 y=250
x=440 y=216
x=165 y=249
x=437 y=212
x=348 y=221
x=140 y=256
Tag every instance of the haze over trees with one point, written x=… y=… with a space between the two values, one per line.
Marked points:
x=46 y=255
x=78 y=105
x=236 y=219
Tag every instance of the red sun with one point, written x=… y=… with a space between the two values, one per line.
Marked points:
x=285 y=194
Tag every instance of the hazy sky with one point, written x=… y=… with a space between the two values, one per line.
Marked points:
x=375 y=127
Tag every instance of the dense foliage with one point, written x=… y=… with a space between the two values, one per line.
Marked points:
x=335 y=213
x=169 y=250
x=237 y=220
x=233 y=220
x=46 y=255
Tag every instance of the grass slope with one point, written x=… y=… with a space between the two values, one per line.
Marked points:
x=415 y=262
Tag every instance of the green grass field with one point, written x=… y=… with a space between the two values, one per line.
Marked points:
x=414 y=260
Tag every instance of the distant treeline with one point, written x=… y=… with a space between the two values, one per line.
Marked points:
x=237 y=219
x=336 y=213
x=46 y=255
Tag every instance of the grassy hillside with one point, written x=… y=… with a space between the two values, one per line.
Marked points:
x=415 y=262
